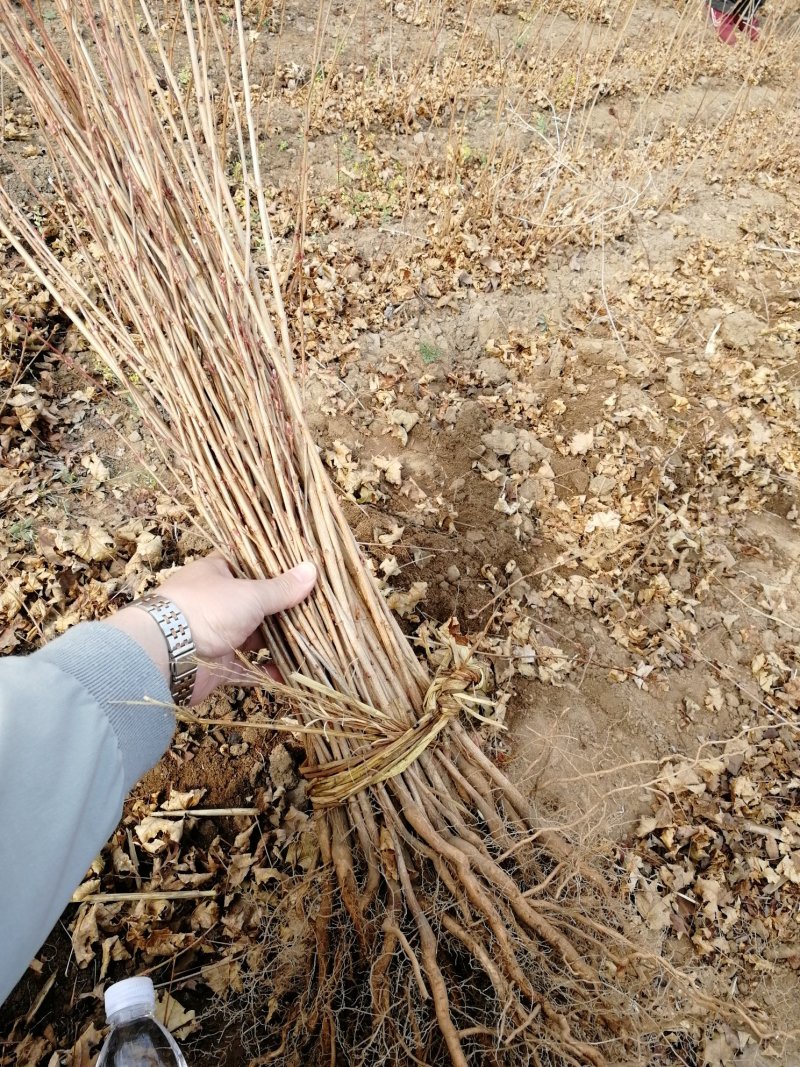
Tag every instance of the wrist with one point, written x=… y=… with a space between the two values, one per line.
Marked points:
x=145 y=631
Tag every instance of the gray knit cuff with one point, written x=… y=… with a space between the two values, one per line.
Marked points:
x=119 y=675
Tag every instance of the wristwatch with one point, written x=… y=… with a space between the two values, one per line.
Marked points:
x=180 y=646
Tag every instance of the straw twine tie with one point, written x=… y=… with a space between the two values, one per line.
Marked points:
x=458 y=686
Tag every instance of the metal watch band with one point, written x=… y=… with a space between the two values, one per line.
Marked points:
x=182 y=661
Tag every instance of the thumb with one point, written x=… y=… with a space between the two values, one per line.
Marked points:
x=286 y=590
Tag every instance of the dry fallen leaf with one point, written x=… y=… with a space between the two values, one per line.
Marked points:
x=404 y=603
x=85 y=889
x=653 y=908
x=390 y=567
x=31 y=1050
x=85 y=934
x=718 y=1052
x=156 y=833
x=93 y=544
x=11 y=598
x=606 y=521
x=392 y=537
x=391 y=468
x=97 y=470
x=582 y=443
x=112 y=950
x=149 y=549
x=404 y=422
x=223 y=977
x=304 y=851
x=177 y=1019
x=177 y=801
x=82 y=1053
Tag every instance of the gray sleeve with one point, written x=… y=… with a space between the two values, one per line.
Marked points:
x=74 y=737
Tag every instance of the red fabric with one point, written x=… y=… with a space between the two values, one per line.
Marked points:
x=751 y=26
x=725 y=25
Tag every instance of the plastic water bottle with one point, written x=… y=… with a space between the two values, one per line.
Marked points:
x=137 y=1039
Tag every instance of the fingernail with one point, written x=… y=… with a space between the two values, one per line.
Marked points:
x=304 y=573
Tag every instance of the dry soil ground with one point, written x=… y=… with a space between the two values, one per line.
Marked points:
x=545 y=289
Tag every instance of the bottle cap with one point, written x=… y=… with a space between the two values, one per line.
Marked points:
x=128 y=994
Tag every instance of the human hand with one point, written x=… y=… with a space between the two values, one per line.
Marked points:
x=224 y=614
